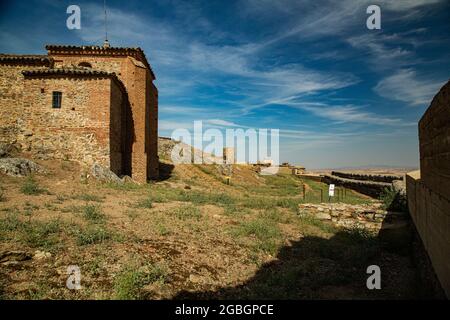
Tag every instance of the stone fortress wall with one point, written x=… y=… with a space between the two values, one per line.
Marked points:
x=428 y=190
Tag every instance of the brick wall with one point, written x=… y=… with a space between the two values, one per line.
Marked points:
x=434 y=137
x=143 y=99
x=80 y=130
x=429 y=190
x=430 y=213
x=117 y=129
x=11 y=89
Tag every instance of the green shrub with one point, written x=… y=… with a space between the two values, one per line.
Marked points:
x=393 y=200
x=10 y=223
x=187 y=212
x=92 y=235
x=161 y=229
x=260 y=228
x=129 y=282
x=146 y=203
x=41 y=234
x=30 y=187
x=93 y=213
x=87 y=197
x=307 y=219
x=266 y=232
x=32 y=233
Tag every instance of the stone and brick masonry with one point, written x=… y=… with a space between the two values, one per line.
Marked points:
x=108 y=114
x=428 y=190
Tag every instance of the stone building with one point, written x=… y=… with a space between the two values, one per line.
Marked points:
x=90 y=104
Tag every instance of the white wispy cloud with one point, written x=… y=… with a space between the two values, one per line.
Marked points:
x=405 y=85
x=183 y=64
x=327 y=17
x=222 y=123
x=384 y=51
x=406 y=5
x=345 y=113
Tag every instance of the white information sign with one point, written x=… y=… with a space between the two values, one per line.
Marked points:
x=331 y=190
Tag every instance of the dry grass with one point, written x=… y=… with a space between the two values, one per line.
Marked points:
x=162 y=240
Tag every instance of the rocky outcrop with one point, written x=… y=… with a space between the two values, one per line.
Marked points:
x=19 y=167
x=104 y=174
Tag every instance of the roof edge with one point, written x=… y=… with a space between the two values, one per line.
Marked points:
x=35 y=59
x=81 y=72
x=136 y=52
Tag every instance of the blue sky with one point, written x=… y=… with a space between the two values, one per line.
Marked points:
x=341 y=95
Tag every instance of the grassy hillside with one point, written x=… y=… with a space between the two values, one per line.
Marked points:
x=189 y=235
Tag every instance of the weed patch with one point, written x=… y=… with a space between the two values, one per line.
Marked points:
x=128 y=284
x=31 y=187
x=93 y=213
x=92 y=235
x=187 y=212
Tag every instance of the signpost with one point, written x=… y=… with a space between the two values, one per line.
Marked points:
x=330 y=194
x=331 y=191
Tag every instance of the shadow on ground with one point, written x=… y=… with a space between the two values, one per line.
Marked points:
x=165 y=171
x=320 y=268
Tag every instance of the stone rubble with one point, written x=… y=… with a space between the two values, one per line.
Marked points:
x=7 y=150
x=13 y=256
x=370 y=215
x=104 y=174
x=19 y=167
x=39 y=255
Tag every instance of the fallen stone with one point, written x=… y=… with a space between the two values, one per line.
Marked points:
x=7 y=150
x=19 y=167
x=127 y=179
x=104 y=174
x=39 y=255
x=323 y=216
x=12 y=263
x=6 y=256
x=195 y=279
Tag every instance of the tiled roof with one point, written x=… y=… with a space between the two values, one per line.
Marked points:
x=75 y=71
x=100 y=50
x=69 y=71
x=56 y=47
x=41 y=59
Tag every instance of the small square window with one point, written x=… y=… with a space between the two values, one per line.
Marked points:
x=57 y=97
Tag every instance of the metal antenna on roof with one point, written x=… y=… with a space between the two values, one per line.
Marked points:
x=106 y=43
